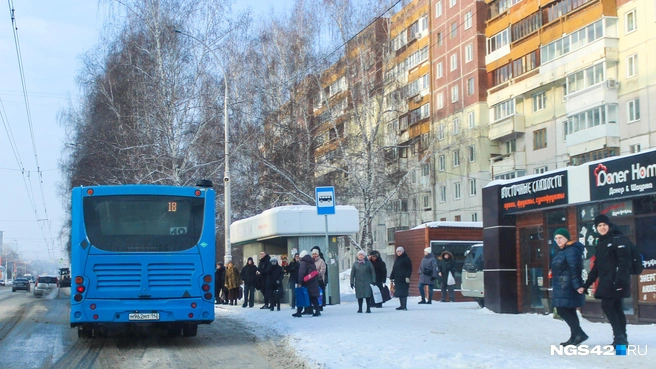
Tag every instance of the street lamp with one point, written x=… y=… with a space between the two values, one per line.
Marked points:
x=226 y=171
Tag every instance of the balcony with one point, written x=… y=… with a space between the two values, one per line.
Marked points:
x=604 y=93
x=605 y=47
x=497 y=54
x=506 y=127
x=508 y=163
x=594 y=138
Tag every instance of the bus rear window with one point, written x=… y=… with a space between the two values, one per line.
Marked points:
x=143 y=223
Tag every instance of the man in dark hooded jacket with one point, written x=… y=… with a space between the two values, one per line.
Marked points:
x=447 y=265
x=612 y=267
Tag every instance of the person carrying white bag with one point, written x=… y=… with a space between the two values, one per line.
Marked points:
x=447 y=276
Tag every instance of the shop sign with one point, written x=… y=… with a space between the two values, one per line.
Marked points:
x=630 y=176
x=534 y=193
x=618 y=209
x=647 y=286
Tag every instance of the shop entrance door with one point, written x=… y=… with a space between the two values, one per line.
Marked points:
x=533 y=249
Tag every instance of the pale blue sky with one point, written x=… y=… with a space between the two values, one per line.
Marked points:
x=53 y=35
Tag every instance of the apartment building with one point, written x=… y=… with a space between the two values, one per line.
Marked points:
x=407 y=95
x=553 y=73
x=637 y=78
x=460 y=113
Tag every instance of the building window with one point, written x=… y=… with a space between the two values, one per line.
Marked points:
x=456 y=126
x=501 y=74
x=456 y=190
x=439 y=39
x=540 y=139
x=454 y=62
x=592 y=118
x=525 y=64
x=503 y=110
x=442 y=193
x=472 y=187
x=594 y=155
x=471 y=122
x=632 y=66
x=498 y=41
x=440 y=132
x=585 y=78
x=469 y=53
x=470 y=86
x=457 y=218
x=527 y=26
x=454 y=29
x=440 y=100
x=456 y=158
x=452 y=3
x=468 y=20
x=539 y=101
x=474 y=217
x=511 y=146
x=540 y=170
x=630 y=21
x=472 y=153
x=635 y=148
x=425 y=169
x=455 y=94
x=439 y=71
x=633 y=109
x=425 y=199
x=438 y=9
x=440 y=163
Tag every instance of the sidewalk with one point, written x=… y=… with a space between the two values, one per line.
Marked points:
x=441 y=335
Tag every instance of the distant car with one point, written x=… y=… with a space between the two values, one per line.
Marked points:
x=45 y=284
x=2 y=282
x=472 y=275
x=20 y=284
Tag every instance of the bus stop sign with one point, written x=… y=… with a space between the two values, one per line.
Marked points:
x=325 y=197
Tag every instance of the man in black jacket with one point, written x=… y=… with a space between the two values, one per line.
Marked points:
x=612 y=268
x=263 y=270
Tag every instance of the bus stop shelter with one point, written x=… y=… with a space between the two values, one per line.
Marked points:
x=284 y=230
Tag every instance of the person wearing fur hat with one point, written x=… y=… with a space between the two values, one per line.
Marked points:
x=362 y=276
x=612 y=269
x=306 y=266
x=380 y=268
x=249 y=276
x=427 y=276
x=274 y=284
x=566 y=269
x=447 y=266
x=400 y=277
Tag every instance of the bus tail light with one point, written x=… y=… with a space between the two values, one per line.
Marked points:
x=208 y=296
x=77 y=297
x=206 y=287
x=79 y=280
x=95 y=316
x=193 y=305
x=90 y=191
x=207 y=278
x=92 y=307
x=191 y=315
x=80 y=289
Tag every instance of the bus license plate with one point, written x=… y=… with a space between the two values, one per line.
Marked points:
x=471 y=275
x=143 y=316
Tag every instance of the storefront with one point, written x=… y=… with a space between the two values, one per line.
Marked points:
x=521 y=216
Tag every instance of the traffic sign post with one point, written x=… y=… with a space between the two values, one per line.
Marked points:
x=325 y=198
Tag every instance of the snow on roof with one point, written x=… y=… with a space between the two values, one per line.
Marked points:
x=447 y=224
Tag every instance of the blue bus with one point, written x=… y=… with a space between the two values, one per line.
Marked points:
x=142 y=255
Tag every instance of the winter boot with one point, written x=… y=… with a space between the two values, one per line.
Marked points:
x=278 y=306
x=422 y=301
x=579 y=338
